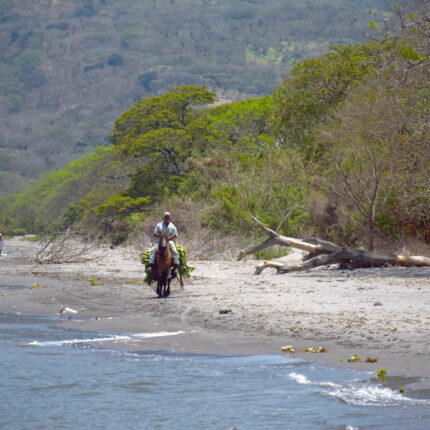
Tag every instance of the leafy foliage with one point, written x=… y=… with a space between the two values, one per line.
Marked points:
x=120 y=205
x=55 y=201
x=271 y=186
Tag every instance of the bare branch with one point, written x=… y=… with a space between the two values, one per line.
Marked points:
x=64 y=248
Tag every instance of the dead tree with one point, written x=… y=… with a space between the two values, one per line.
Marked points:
x=64 y=248
x=322 y=253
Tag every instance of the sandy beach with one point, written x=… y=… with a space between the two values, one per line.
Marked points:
x=225 y=308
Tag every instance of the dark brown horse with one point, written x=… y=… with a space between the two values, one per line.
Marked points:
x=163 y=265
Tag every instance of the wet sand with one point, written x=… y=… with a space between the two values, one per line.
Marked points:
x=224 y=308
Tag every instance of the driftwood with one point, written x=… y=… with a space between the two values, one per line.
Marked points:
x=322 y=253
x=65 y=247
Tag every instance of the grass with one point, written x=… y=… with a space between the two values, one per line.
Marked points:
x=271 y=253
x=32 y=238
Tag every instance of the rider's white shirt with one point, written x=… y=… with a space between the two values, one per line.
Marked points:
x=170 y=229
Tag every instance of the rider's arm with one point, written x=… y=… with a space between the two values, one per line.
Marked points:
x=173 y=231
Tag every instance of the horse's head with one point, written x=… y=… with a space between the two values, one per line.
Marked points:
x=163 y=243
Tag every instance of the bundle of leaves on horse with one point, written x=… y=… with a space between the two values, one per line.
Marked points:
x=162 y=273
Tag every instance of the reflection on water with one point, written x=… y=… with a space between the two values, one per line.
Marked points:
x=54 y=385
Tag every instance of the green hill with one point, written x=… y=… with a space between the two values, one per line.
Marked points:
x=69 y=68
x=340 y=150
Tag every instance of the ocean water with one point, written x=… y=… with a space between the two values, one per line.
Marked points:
x=56 y=378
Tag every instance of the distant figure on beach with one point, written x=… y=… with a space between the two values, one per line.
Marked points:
x=1 y=243
x=172 y=233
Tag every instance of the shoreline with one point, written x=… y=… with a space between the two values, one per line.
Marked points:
x=373 y=313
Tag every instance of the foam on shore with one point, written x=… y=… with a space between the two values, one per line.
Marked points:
x=359 y=394
x=114 y=338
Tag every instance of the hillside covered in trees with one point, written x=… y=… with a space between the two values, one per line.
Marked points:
x=68 y=68
x=341 y=150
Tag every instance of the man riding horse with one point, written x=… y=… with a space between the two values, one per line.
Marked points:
x=166 y=227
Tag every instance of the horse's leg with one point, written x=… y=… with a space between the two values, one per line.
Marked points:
x=167 y=291
x=159 y=288
x=166 y=284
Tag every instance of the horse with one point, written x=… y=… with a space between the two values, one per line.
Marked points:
x=163 y=265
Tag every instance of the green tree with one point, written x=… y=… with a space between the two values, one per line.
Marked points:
x=376 y=162
x=245 y=124
x=155 y=131
x=314 y=88
x=270 y=185
x=173 y=110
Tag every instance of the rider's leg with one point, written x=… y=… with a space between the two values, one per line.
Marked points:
x=152 y=255
x=175 y=252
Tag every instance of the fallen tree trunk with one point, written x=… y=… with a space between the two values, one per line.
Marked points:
x=322 y=253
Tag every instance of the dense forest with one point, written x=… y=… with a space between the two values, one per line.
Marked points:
x=68 y=68
x=340 y=149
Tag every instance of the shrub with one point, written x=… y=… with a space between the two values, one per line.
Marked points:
x=115 y=60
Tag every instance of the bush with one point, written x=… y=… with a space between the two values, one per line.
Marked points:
x=86 y=11
x=62 y=25
x=271 y=253
x=146 y=79
x=115 y=60
x=271 y=185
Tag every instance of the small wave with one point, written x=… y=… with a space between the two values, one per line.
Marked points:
x=360 y=394
x=300 y=379
x=370 y=395
x=89 y=394
x=114 y=338
x=55 y=387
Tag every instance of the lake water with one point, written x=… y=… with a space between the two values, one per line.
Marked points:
x=57 y=378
